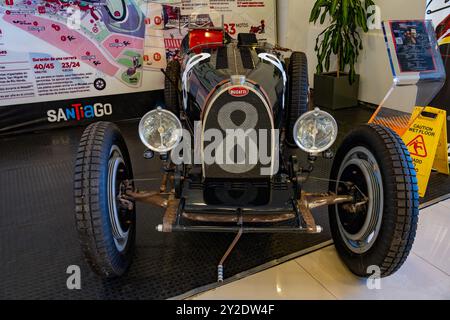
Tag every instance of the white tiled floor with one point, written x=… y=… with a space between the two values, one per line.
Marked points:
x=321 y=275
x=433 y=237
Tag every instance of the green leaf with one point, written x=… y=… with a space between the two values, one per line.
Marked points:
x=324 y=15
x=328 y=61
x=315 y=12
x=333 y=7
x=344 y=11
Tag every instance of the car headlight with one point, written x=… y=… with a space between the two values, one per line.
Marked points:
x=160 y=130
x=315 y=131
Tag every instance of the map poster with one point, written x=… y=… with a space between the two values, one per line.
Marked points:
x=439 y=12
x=55 y=49
x=56 y=53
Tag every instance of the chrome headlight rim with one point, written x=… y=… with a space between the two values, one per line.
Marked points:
x=142 y=127
x=316 y=112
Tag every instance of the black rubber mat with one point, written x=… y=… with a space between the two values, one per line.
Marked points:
x=38 y=240
x=438 y=187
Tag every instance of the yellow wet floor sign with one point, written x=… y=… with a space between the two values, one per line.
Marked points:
x=426 y=140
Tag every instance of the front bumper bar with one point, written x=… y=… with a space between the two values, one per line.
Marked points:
x=232 y=223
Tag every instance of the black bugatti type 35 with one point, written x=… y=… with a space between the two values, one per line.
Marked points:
x=246 y=90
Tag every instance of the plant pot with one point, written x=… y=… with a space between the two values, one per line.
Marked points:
x=335 y=93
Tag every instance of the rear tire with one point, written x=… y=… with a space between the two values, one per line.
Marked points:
x=298 y=92
x=106 y=231
x=171 y=94
x=375 y=159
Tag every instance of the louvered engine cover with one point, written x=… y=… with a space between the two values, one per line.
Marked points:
x=238 y=139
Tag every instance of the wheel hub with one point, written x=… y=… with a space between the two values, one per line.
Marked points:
x=354 y=222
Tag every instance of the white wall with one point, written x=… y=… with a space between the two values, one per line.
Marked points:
x=296 y=33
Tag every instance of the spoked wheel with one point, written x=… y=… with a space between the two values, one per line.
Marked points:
x=379 y=227
x=106 y=227
x=118 y=215
x=359 y=228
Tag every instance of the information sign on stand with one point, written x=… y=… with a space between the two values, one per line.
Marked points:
x=418 y=71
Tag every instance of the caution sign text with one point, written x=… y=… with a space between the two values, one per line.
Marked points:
x=426 y=140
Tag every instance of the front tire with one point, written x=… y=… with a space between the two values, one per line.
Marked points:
x=106 y=230
x=374 y=163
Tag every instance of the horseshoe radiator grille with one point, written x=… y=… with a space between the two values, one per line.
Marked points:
x=246 y=150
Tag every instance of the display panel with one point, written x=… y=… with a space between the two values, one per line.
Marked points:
x=413 y=52
x=417 y=69
x=412 y=46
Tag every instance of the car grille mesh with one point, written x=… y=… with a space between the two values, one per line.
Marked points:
x=239 y=113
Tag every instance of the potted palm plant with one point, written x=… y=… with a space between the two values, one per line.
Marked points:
x=346 y=18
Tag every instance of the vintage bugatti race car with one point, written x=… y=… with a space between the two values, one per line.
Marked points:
x=236 y=115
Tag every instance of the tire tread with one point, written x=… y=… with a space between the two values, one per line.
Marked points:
x=298 y=84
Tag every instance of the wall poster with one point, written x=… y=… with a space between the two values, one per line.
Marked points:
x=84 y=51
